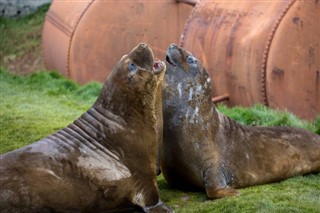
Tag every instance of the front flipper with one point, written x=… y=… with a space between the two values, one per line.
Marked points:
x=215 y=182
x=215 y=193
x=160 y=207
x=147 y=197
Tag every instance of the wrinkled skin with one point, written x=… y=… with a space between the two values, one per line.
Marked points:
x=105 y=160
x=202 y=148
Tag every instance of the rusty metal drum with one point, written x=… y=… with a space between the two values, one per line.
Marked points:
x=260 y=51
x=84 y=39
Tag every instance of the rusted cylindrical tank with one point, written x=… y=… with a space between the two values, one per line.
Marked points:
x=260 y=51
x=85 y=39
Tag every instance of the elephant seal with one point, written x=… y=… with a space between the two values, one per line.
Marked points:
x=204 y=149
x=105 y=160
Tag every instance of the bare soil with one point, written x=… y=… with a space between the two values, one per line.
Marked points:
x=27 y=63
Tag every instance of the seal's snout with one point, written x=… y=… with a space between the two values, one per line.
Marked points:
x=144 y=48
x=143 y=45
x=142 y=55
x=173 y=46
x=173 y=55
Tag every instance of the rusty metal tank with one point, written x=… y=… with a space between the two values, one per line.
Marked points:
x=260 y=51
x=256 y=51
x=84 y=39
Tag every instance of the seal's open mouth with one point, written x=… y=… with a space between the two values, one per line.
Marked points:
x=168 y=60
x=157 y=67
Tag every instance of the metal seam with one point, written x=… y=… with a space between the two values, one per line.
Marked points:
x=186 y=26
x=266 y=52
x=43 y=44
x=57 y=22
x=72 y=34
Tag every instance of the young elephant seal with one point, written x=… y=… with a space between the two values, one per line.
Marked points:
x=203 y=148
x=104 y=160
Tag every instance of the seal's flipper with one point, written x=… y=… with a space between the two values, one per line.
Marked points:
x=159 y=208
x=215 y=193
x=215 y=182
x=147 y=197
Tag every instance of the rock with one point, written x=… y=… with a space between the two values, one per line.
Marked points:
x=18 y=8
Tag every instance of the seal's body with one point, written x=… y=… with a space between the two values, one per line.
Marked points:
x=203 y=148
x=103 y=160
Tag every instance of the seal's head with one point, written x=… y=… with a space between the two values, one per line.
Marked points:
x=137 y=71
x=133 y=81
x=187 y=81
x=180 y=59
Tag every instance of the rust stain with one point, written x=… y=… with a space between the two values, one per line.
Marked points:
x=277 y=74
x=296 y=20
x=232 y=37
x=311 y=57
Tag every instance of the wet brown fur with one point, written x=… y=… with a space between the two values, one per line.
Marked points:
x=203 y=148
x=104 y=160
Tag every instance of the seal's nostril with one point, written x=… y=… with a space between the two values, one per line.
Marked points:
x=172 y=46
x=143 y=45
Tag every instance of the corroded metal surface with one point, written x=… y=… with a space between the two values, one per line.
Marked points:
x=293 y=64
x=78 y=34
x=256 y=52
x=60 y=24
x=260 y=52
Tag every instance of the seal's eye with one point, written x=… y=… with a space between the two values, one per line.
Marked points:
x=132 y=66
x=191 y=60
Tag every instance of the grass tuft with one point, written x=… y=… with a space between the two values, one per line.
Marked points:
x=260 y=115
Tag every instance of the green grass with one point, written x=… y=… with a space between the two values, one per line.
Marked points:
x=260 y=115
x=34 y=106
x=21 y=35
x=39 y=104
x=298 y=194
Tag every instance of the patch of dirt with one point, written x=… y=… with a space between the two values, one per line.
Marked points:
x=27 y=63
